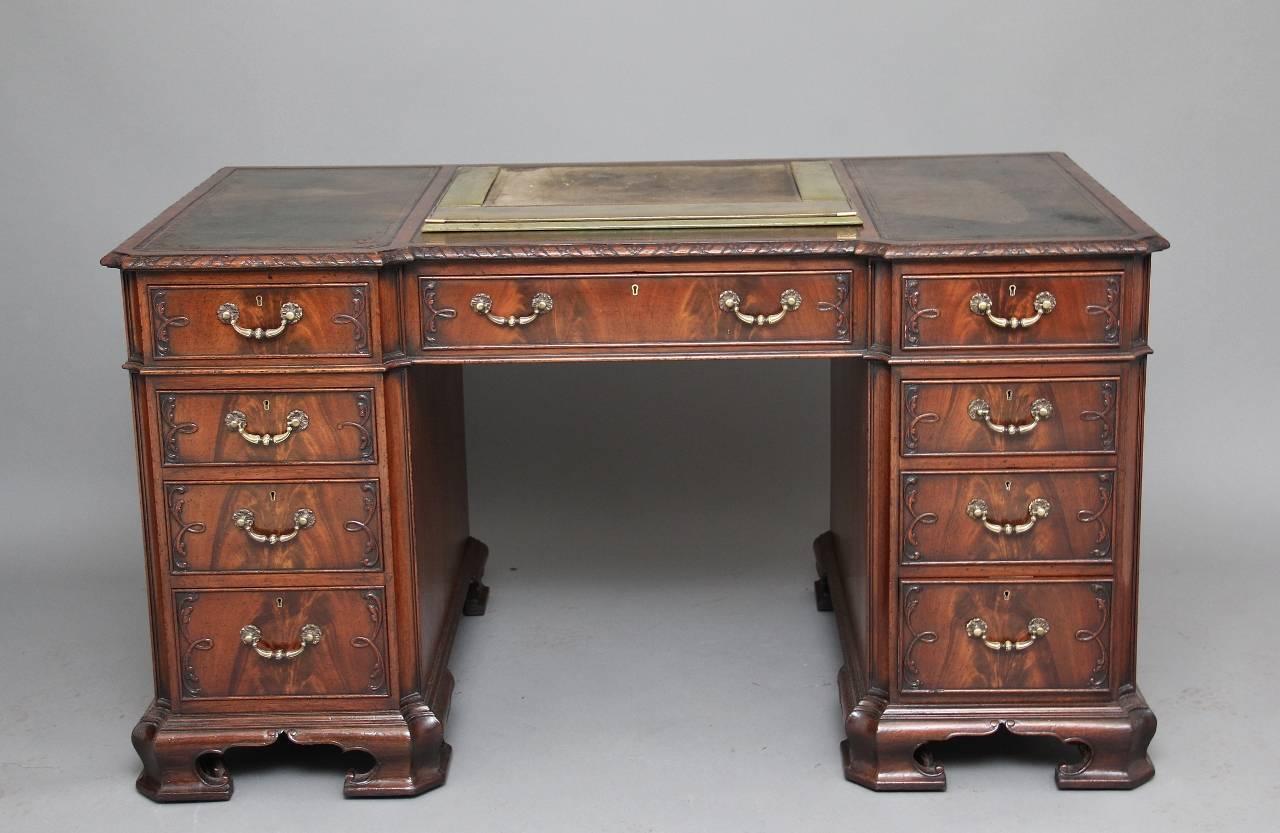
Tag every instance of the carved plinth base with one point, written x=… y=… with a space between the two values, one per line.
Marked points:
x=885 y=745
x=182 y=755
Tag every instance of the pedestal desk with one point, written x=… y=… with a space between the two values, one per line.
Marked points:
x=296 y=338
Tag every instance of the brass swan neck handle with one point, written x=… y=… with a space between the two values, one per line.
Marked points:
x=730 y=301
x=295 y=420
x=251 y=635
x=290 y=313
x=1036 y=628
x=1043 y=304
x=980 y=411
x=482 y=304
x=1036 y=510
x=302 y=519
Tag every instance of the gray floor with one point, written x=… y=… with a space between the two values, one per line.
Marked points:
x=651 y=658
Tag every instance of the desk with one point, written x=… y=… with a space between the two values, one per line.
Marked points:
x=296 y=338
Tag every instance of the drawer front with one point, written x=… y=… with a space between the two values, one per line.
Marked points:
x=264 y=526
x=272 y=320
x=1007 y=310
x=636 y=310
x=951 y=517
x=1009 y=416
x=971 y=636
x=267 y=426
x=319 y=643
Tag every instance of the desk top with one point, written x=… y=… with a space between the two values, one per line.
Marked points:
x=940 y=206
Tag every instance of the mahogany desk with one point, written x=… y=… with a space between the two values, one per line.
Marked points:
x=296 y=339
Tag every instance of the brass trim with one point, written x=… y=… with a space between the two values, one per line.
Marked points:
x=821 y=202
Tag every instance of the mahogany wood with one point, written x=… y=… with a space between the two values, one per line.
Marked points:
x=389 y=565
x=203 y=537
x=936 y=527
x=635 y=310
x=936 y=414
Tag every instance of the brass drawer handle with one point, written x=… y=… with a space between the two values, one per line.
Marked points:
x=290 y=313
x=980 y=411
x=730 y=302
x=1036 y=509
x=483 y=304
x=1036 y=628
x=1043 y=304
x=293 y=421
x=250 y=635
x=302 y=519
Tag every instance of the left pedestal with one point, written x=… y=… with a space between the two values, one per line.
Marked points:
x=306 y=528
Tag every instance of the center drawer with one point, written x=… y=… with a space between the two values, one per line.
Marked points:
x=282 y=643
x=712 y=308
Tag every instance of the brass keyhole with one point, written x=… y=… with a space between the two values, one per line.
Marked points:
x=1013 y=287
x=1008 y=395
x=266 y=404
x=1007 y=595
x=1008 y=486
x=635 y=290
x=279 y=601
x=272 y=495
x=257 y=299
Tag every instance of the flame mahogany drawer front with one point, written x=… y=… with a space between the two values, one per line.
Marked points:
x=1005 y=636
x=720 y=307
x=267 y=426
x=1009 y=416
x=956 y=517
x=264 y=526
x=282 y=643
x=259 y=319
x=1034 y=309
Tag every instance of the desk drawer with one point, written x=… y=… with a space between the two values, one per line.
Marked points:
x=1009 y=416
x=259 y=320
x=1011 y=310
x=970 y=636
x=282 y=426
x=273 y=525
x=1003 y=516
x=317 y=643
x=636 y=310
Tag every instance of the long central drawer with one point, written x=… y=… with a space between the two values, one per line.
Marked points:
x=712 y=308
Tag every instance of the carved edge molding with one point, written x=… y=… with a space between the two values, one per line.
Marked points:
x=1104 y=416
x=368 y=526
x=914 y=419
x=378 y=672
x=1142 y=245
x=172 y=428
x=838 y=306
x=431 y=315
x=176 y=501
x=911 y=671
x=1102 y=542
x=190 y=679
x=364 y=415
x=1102 y=598
x=912 y=313
x=1111 y=321
x=357 y=318
x=910 y=543
x=161 y=321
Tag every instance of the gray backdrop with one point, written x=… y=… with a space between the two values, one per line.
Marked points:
x=651 y=660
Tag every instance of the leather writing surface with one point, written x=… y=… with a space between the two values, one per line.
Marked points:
x=292 y=209
x=1008 y=197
